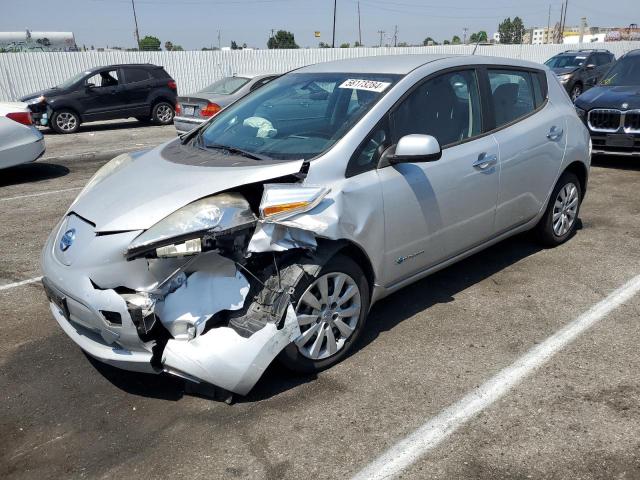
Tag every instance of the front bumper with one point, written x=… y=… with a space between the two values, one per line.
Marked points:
x=602 y=145
x=185 y=124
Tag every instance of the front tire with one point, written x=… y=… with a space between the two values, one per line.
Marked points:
x=65 y=121
x=561 y=216
x=332 y=309
x=162 y=113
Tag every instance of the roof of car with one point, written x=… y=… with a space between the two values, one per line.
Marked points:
x=633 y=53
x=403 y=64
x=399 y=64
x=121 y=65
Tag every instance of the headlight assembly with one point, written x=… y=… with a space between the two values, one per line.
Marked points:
x=184 y=231
x=564 y=78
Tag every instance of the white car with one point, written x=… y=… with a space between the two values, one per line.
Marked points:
x=20 y=140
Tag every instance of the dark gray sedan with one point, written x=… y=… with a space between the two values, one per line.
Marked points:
x=198 y=107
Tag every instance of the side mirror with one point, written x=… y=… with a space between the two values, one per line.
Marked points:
x=416 y=148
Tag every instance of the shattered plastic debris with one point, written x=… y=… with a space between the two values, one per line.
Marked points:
x=219 y=286
x=225 y=359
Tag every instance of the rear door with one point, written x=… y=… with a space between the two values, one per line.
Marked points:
x=530 y=132
x=137 y=84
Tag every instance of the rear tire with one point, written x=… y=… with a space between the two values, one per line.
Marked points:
x=162 y=113
x=65 y=121
x=327 y=334
x=560 y=218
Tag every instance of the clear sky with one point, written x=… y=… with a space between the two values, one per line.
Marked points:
x=195 y=23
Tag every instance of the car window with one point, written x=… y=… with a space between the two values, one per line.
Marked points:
x=625 y=72
x=368 y=153
x=446 y=107
x=566 y=61
x=511 y=94
x=107 y=78
x=296 y=116
x=136 y=75
x=226 y=86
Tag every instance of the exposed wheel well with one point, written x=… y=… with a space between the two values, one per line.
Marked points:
x=70 y=109
x=580 y=171
x=161 y=99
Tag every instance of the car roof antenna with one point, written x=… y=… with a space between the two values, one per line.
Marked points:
x=475 y=48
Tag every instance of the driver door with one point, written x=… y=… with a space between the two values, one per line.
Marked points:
x=105 y=96
x=436 y=210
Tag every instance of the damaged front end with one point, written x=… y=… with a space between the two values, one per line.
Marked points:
x=203 y=294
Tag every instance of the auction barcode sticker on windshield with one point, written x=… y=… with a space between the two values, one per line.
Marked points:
x=360 y=84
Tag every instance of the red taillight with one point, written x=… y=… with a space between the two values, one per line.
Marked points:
x=21 y=117
x=178 y=109
x=172 y=85
x=210 y=110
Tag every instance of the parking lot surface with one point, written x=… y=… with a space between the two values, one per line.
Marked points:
x=425 y=348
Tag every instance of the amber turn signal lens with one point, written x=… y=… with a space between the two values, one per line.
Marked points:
x=285 y=207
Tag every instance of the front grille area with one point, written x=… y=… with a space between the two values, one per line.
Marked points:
x=604 y=120
x=632 y=121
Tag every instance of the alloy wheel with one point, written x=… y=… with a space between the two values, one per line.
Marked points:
x=66 y=121
x=328 y=313
x=164 y=113
x=565 y=209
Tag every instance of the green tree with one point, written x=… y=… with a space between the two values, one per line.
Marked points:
x=234 y=45
x=357 y=44
x=481 y=36
x=150 y=43
x=446 y=42
x=345 y=45
x=168 y=45
x=456 y=40
x=324 y=45
x=282 y=39
x=177 y=48
x=403 y=44
x=429 y=41
x=518 y=29
x=505 y=30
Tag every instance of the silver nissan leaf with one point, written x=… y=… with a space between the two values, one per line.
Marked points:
x=271 y=230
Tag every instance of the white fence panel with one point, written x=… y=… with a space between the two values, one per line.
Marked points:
x=22 y=73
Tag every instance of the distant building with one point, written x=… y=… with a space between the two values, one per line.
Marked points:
x=496 y=37
x=29 y=41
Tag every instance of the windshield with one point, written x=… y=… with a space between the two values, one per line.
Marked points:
x=71 y=81
x=296 y=116
x=624 y=73
x=566 y=61
x=225 y=86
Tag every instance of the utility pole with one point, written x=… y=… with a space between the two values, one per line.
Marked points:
x=219 y=41
x=381 y=32
x=135 y=20
x=359 y=29
x=395 y=36
x=464 y=36
x=564 y=22
x=333 y=42
x=546 y=40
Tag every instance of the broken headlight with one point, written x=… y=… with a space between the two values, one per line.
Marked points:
x=187 y=230
x=285 y=200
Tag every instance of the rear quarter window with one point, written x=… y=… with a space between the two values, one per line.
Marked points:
x=516 y=93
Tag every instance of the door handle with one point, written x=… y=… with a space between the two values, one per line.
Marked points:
x=554 y=133
x=485 y=161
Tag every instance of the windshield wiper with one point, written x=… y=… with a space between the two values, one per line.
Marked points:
x=237 y=151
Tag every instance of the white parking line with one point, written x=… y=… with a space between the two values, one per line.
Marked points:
x=39 y=194
x=19 y=284
x=407 y=451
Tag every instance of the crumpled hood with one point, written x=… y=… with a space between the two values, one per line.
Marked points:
x=602 y=96
x=156 y=183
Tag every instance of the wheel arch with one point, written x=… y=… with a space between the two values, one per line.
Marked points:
x=579 y=169
x=353 y=251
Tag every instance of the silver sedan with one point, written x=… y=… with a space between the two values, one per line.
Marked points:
x=270 y=231
x=196 y=108
x=20 y=141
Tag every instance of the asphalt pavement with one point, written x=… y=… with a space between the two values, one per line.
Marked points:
x=425 y=348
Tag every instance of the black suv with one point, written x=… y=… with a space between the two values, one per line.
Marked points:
x=579 y=70
x=611 y=110
x=144 y=91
